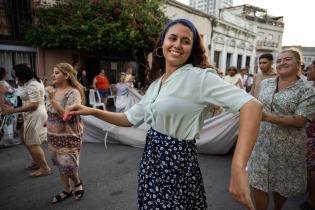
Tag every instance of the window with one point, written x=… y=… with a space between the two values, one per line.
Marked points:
x=216 y=58
x=14 y=14
x=228 y=60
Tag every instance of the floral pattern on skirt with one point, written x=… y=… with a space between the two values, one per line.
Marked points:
x=68 y=164
x=310 y=133
x=169 y=175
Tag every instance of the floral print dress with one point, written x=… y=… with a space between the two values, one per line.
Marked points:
x=65 y=138
x=10 y=100
x=278 y=160
x=310 y=133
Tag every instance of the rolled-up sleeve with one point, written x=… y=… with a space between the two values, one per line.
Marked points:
x=307 y=104
x=215 y=91
x=135 y=114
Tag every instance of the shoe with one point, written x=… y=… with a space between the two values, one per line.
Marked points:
x=31 y=167
x=62 y=196
x=39 y=173
x=307 y=206
x=78 y=194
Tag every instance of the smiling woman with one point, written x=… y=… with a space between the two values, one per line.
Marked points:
x=278 y=160
x=183 y=91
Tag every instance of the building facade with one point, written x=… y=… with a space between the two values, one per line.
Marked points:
x=13 y=50
x=210 y=7
x=233 y=42
x=269 y=29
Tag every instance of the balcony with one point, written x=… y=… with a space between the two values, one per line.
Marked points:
x=267 y=45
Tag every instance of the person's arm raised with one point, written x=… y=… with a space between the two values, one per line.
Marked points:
x=250 y=117
x=119 y=119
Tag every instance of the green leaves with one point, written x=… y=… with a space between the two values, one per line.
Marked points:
x=120 y=26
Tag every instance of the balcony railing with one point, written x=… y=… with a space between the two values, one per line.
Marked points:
x=267 y=45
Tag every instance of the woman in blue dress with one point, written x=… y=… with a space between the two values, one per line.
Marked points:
x=183 y=90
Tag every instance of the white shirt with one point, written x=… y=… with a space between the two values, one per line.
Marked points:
x=179 y=107
x=234 y=80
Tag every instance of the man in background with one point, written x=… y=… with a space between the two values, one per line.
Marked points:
x=265 y=65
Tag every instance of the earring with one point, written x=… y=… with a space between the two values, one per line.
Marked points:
x=156 y=52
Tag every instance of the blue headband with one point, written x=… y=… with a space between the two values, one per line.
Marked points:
x=185 y=22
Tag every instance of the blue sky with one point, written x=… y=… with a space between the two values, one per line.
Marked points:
x=298 y=16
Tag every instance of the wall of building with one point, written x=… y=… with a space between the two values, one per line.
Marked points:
x=233 y=44
x=47 y=59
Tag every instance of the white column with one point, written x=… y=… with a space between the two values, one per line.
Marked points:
x=212 y=51
x=252 y=60
x=244 y=57
x=234 y=56
x=222 y=65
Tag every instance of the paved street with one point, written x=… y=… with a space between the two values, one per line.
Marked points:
x=110 y=179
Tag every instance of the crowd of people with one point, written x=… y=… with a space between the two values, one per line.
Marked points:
x=276 y=107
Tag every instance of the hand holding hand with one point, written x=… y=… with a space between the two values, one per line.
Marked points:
x=78 y=109
x=239 y=187
x=7 y=110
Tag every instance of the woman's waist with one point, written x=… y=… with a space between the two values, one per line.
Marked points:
x=169 y=136
x=61 y=150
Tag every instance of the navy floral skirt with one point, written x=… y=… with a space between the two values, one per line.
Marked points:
x=169 y=175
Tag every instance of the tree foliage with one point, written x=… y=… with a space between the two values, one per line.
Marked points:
x=131 y=27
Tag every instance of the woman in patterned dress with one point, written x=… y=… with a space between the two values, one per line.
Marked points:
x=183 y=90
x=310 y=133
x=35 y=116
x=277 y=163
x=65 y=136
x=7 y=98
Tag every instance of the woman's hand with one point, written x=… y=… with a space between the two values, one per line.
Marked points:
x=79 y=109
x=239 y=187
x=7 y=110
x=51 y=92
x=265 y=116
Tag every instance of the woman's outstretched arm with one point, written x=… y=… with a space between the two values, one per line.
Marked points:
x=250 y=117
x=115 y=118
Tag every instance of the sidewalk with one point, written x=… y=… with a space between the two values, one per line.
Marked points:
x=110 y=181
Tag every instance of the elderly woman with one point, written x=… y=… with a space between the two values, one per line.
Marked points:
x=277 y=163
x=233 y=77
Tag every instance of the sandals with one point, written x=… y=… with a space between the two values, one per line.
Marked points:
x=39 y=173
x=62 y=196
x=78 y=194
x=31 y=167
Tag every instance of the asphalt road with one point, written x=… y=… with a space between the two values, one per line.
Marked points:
x=110 y=181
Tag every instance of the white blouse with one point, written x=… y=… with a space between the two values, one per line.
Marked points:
x=179 y=107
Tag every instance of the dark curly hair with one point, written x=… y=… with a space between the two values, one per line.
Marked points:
x=24 y=72
x=197 y=58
